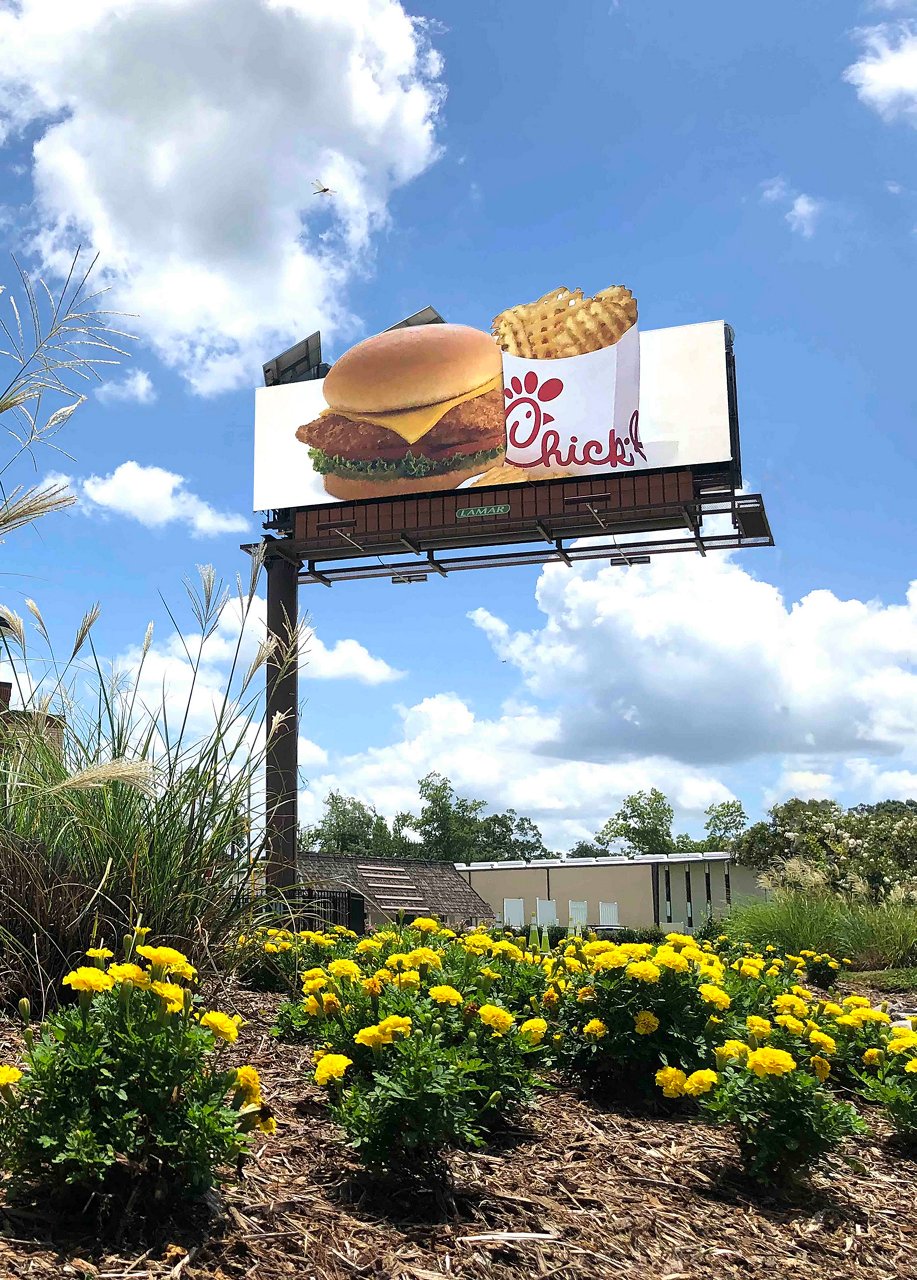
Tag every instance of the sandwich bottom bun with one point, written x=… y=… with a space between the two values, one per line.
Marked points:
x=350 y=490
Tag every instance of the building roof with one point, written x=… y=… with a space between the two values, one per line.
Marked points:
x=394 y=885
x=616 y=861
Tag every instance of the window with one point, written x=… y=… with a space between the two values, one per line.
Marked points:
x=546 y=911
x=688 y=901
x=608 y=914
x=727 y=884
x=668 y=895
x=579 y=912
x=514 y=912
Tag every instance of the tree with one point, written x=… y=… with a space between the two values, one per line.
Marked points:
x=587 y=849
x=448 y=825
x=725 y=823
x=63 y=338
x=347 y=827
x=644 y=823
x=505 y=837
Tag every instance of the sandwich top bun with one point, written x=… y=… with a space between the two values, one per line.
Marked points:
x=412 y=367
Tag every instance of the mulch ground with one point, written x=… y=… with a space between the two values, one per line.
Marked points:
x=578 y=1192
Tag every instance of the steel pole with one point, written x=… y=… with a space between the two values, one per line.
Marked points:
x=281 y=766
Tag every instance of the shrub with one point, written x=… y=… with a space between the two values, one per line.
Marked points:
x=128 y=1085
x=870 y=935
x=417 y=1039
x=274 y=959
x=785 y=1119
x=110 y=801
x=888 y=1076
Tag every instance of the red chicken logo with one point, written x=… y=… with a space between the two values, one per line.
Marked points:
x=524 y=415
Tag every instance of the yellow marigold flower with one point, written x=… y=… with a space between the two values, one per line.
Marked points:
x=669 y=958
x=902 y=1039
x=499 y=1020
x=699 y=1082
x=671 y=1081
x=872 y=1057
x=9 y=1076
x=141 y=930
x=733 y=1051
x=344 y=969
x=330 y=1003
x=911 y=1066
x=492 y=975
x=636 y=950
x=821 y=1066
x=162 y=957
x=395 y=1026
x=446 y=995
x=597 y=948
x=791 y=1004
x=679 y=940
x=507 y=950
x=332 y=1067
x=573 y=965
x=267 y=1124
x=312 y=1006
x=425 y=924
x=760 y=1028
x=770 y=1062
x=616 y=959
x=831 y=1009
x=534 y=1030
x=823 y=1041
x=372 y=1037
x=88 y=978
x=714 y=995
x=595 y=1028
x=222 y=1025
x=645 y=1023
x=550 y=998
x=585 y=993
x=248 y=1080
x=311 y=985
x=99 y=953
x=855 y=1002
x=398 y=960
x=643 y=971
x=185 y=970
x=367 y=945
x=424 y=956
x=772 y=971
x=406 y=981
x=870 y=1015
x=129 y=973
x=171 y=993
x=749 y=968
x=791 y=1024
x=372 y=986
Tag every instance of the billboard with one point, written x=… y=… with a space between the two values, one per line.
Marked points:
x=562 y=388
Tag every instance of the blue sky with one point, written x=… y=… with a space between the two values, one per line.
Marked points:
x=753 y=165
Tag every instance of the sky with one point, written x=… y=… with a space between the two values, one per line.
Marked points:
x=752 y=164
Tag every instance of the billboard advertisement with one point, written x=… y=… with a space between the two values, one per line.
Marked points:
x=567 y=386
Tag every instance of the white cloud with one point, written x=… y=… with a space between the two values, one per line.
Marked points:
x=699 y=661
x=804 y=784
x=155 y=497
x=505 y=761
x=801 y=211
x=181 y=140
x=873 y=783
x=803 y=215
x=894 y=188
x=136 y=386
x=345 y=660
x=885 y=76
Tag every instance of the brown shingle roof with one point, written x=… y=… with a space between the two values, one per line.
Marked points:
x=393 y=885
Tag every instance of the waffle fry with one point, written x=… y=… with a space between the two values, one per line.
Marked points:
x=565 y=323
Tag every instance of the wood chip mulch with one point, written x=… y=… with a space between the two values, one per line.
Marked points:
x=578 y=1192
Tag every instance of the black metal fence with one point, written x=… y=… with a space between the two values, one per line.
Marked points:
x=316 y=908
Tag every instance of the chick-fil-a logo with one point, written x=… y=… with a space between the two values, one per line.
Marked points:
x=526 y=423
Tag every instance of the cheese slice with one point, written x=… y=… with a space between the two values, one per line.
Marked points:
x=412 y=424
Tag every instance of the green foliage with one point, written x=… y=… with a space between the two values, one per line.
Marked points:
x=349 y=827
x=890 y=980
x=122 y=798
x=784 y=1123
x=644 y=823
x=870 y=934
x=127 y=1086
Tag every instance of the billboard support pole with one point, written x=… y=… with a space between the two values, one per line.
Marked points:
x=282 y=678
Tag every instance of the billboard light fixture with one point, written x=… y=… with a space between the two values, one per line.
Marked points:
x=299 y=363
x=399 y=578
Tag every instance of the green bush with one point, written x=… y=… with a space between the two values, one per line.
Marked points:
x=128 y=1086
x=785 y=1121
x=870 y=935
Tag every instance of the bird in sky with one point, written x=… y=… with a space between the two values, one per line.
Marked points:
x=321 y=189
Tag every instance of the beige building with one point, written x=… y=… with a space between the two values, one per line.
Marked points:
x=678 y=892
